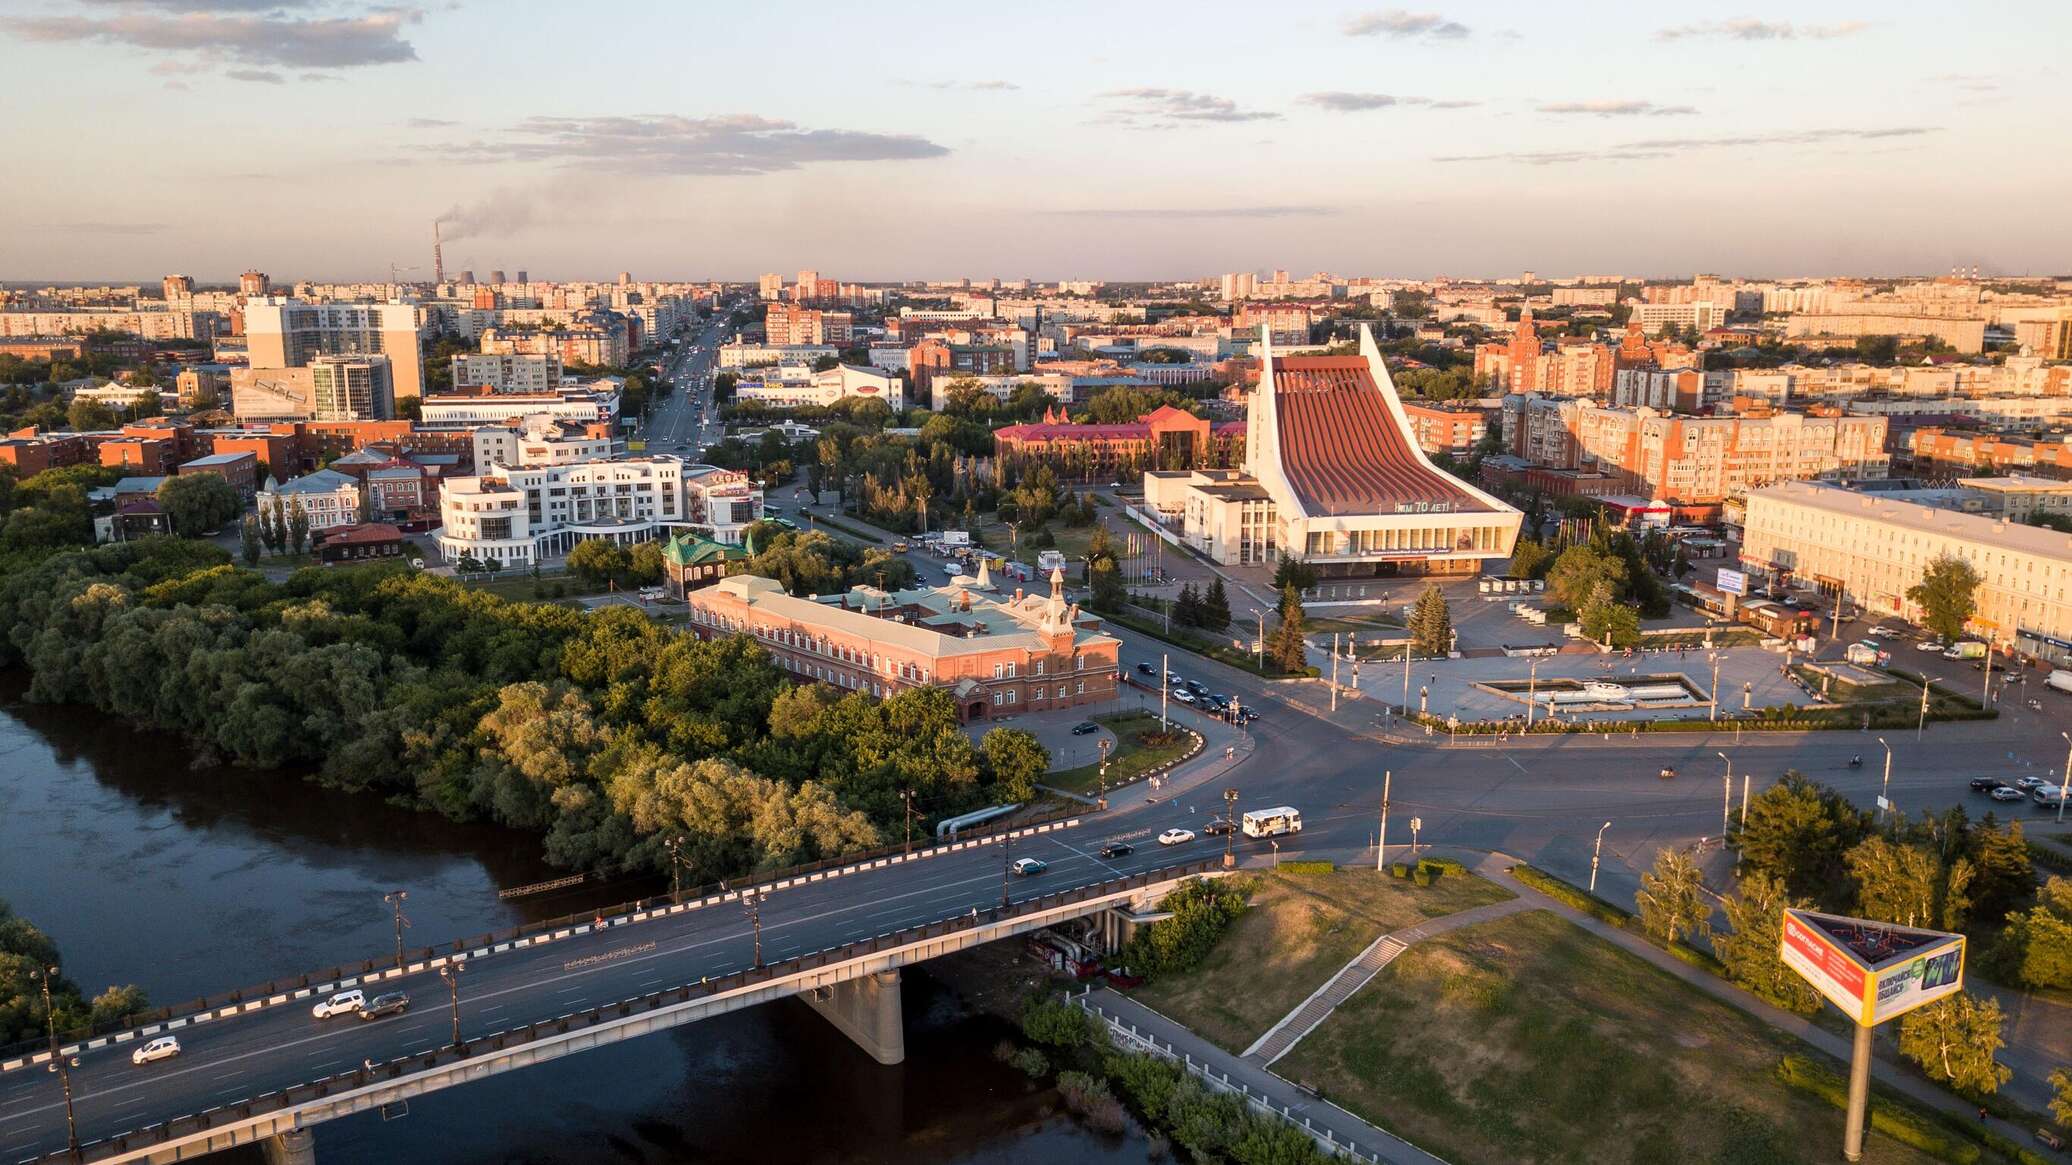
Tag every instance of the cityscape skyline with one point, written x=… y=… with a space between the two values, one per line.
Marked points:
x=1471 y=139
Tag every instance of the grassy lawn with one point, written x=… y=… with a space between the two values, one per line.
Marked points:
x=1368 y=626
x=1072 y=542
x=1528 y=1039
x=1136 y=751
x=1300 y=930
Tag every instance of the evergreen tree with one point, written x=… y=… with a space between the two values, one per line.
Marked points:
x=1215 y=607
x=1286 y=647
x=298 y=527
x=1431 y=623
x=1187 y=608
x=1106 y=582
x=248 y=540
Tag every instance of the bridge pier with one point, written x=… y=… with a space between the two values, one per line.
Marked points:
x=868 y=1011
x=291 y=1147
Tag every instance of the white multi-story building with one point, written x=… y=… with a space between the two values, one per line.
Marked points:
x=519 y=516
x=1654 y=318
x=738 y=355
x=508 y=371
x=1874 y=550
x=467 y=410
x=537 y=439
x=792 y=385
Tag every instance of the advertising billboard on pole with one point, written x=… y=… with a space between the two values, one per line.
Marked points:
x=1732 y=582
x=1873 y=971
x=1821 y=961
x=1922 y=979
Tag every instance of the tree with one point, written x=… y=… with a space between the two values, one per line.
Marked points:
x=248 y=540
x=1015 y=760
x=1672 y=899
x=1947 y=595
x=2037 y=944
x=2061 y=1096
x=1576 y=575
x=1954 y=1041
x=1909 y=885
x=1215 y=606
x=1288 y=646
x=1431 y=623
x=298 y=527
x=86 y=414
x=1531 y=558
x=1106 y=584
x=196 y=503
x=1187 y=608
x=598 y=561
x=1294 y=572
x=1607 y=621
x=1748 y=948
x=1797 y=832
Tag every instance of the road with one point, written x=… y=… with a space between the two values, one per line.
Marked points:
x=684 y=420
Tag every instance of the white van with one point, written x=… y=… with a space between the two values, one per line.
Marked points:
x=1272 y=822
x=2059 y=679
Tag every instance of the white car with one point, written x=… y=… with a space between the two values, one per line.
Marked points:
x=1883 y=630
x=1176 y=837
x=1029 y=867
x=1929 y=645
x=158 y=1049
x=1183 y=695
x=340 y=1004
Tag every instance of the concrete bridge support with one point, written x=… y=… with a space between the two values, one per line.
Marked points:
x=291 y=1147
x=868 y=1011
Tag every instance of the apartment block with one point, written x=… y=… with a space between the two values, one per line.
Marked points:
x=283 y=333
x=508 y=371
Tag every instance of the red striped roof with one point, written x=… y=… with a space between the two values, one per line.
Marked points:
x=1341 y=447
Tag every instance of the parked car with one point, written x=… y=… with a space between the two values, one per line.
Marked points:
x=1929 y=645
x=1197 y=687
x=392 y=1003
x=1217 y=827
x=1147 y=669
x=340 y=1003
x=1085 y=728
x=1029 y=867
x=1984 y=784
x=159 y=1049
x=1183 y=695
x=2007 y=793
x=1117 y=849
x=1176 y=837
x=1883 y=630
x=2029 y=784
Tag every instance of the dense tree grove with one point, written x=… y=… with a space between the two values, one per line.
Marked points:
x=603 y=730
x=26 y=954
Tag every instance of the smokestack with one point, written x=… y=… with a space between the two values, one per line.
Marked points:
x=438 y=256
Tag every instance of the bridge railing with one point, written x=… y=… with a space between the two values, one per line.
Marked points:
x=37 y=1051
x=230 y=1115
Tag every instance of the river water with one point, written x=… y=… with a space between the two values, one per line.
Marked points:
x=184 y=880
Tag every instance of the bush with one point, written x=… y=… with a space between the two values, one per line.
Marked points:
x=1203 y=909
x=1571 y=896
x=1398 y=870
x=1056 y=1023
x=1421 y=875
x=1904 y=1125
x=1308 y=867
x=1033 y=1063
x=1090 y=1098
x=1438 y=866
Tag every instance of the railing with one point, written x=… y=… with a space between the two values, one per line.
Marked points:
x=294 y=1096
x=30 y=1052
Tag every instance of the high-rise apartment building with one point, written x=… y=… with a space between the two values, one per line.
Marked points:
x=351 y=388
x=770 y=286
x=508 y=371
x=177 y=287
x=284 y=333
x=252 y=283
x=788 y=323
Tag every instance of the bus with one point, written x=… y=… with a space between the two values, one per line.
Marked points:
x=1272 y=822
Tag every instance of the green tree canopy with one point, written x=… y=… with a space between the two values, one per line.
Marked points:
x=196 y=503
x=1955 y=1040
x=1672 y=901
x=1947 y=595
x=1581 y=569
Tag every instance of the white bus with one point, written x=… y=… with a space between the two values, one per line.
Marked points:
x=1272 y=822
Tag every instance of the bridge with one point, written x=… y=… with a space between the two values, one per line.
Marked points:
x=260 y=1068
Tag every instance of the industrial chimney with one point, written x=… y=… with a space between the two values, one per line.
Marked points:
x=438 y=256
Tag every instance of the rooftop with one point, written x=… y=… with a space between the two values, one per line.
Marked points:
x=1341 y=447
x=1996 y=532
x=929 y=621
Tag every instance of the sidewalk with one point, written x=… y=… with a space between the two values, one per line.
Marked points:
x=1139 y=1027
x=2030 y=1093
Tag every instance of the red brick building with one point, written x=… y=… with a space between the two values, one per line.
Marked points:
x=31 y=452
x=1165 y=438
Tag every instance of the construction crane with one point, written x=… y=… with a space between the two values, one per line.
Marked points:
x=396 y=271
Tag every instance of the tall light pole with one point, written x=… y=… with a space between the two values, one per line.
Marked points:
x=752 y=903
x=1726 y=801
x=1885 y=789
x=395 y=899
x=1230 y=837
x=58 y=1063
x=1594 y=852
x=675 y=847
x=907 y=795
x=1101 y=773
x=1713 y=714
x=1165 y=685
x=1381 y=840
x=1922 y=723
x=2065 y=781
x=1006 y=866
x=451 y=973
x=1532 y=692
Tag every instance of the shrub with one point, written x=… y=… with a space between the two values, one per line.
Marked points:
x=1570 y=896
x=1308 y=867
x=1090 y=1098
x=1398 y=870
x=1055 y=1022
x=1437 y=866
x=1202 y=910
x=1421 y=875
x=1032 y=1062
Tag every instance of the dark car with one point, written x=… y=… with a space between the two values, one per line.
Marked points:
x=1085 y=727
x=393 y=1003
x=1117 y=849
x=1147 y=669
x=1985 y=784
x=1197 y=687
x=1218 y=826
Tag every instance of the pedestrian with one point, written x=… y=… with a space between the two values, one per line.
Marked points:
x=1982 y=1114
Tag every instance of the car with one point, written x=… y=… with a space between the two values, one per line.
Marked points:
x=1929 y=645
x=1883 y=630
x=1085 y=728
x=1147 y=669
x=161 y=1048
x=1173 y=680
x=1176 y=837
x=1197 y=687
x=2030 y=784
x=1029 y=867
x=2007 y=793
x=1984 y=784
x=340 y=1003
x=392 y=1003
x=1218 y=826
x=1117 y=849
x=1183 y=695
x=1247 y=715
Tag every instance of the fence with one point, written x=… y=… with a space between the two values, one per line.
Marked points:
x=603 y=1015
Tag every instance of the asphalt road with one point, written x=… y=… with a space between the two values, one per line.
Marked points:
x=685 y=417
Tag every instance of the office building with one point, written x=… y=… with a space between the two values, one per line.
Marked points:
x=283 y=333
x=351 y=388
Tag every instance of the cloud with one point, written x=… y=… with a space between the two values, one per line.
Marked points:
x=106 y=228
x=1650 y=148
x=1748 y=28
x=268 y=38
x=1148 y=107
x=186 y=6
x=1340 y=101
x=1395 y=22
x=1297 y=211
x=671 y=144
x=1617 y=108
x=428 y=123
x=258 y=76
x=971 y=86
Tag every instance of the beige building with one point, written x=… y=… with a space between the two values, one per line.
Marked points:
x=284 y=333
x=1963 y=335
x=1874 y=550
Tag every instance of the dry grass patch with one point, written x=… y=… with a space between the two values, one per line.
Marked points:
x=1300 y=930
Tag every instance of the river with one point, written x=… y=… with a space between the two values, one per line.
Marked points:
x=187 y=879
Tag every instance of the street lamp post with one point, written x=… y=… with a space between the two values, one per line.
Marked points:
x=907 y=795
x=451 y=973
x=1006 y=866
x=675 y=847
x=1230 y=836
x=1594 y=852
x=752 y=902
x=1101 y=773
x=58 y=1063
x=395 y=899
x=1885 y=788
x=1713 y=714
x=1532 y=692
x=1726 y=801
x=1381 y=840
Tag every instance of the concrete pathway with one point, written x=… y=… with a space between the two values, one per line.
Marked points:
x=1282 y=1037
x=1138 y=1027
x=1888 y=1071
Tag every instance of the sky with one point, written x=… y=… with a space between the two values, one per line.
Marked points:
x=1124 y=140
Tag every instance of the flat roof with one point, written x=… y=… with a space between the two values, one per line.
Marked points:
x=1995 y=532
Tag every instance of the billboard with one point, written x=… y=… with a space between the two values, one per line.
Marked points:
x=1732 y=582
x=1873 y=971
